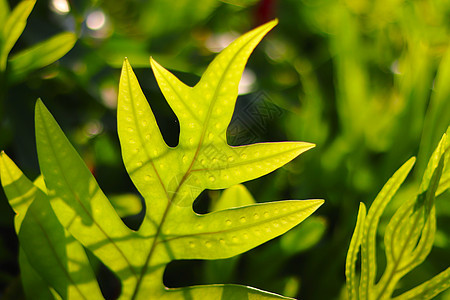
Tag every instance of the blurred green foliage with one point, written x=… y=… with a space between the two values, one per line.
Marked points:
x=367 y=81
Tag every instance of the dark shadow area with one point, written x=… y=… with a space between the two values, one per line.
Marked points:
x=109 y=283
x=182 y=273
x=202 y=203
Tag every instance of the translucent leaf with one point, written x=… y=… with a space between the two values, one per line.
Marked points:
x=410 y=234
x=41 y=237
x=352 y=254
x=14 y=26
x=226 y=233
x=16 y=186
x=58 y=258
x=408 y=238
x=170 y=179
x=79 y=203
x=430 y=288
x=222 y=270
x=408 y=241
x=439 y=156
x=19 y=192
x=368 y=247
x=33 y=285
x=40 y=55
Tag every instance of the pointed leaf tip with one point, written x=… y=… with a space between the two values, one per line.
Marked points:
x=126 y=63
x=306 y=146
x=39 y=104
x=273 y=23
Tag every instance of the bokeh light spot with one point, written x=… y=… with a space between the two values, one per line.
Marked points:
x=96 y=20
x=60 y=7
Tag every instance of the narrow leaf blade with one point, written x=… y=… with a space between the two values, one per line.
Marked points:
x=56 y=256
x=430 y=288
x=79 y=203
x=227 y=233
x=233 y=165
x=145 y=154
x=408 y=241
x=33 y=285
x=4 y=12
x=410 y=234
x=438 y=154
x=352 y=255
x=40 y=55
x=14 y=26
x=444 y=183
x=17 y=189
x=60 y=259
x=368 y=247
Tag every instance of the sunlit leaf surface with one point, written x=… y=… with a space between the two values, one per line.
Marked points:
x=408 y=238
x=55 y=257
x=170 y=179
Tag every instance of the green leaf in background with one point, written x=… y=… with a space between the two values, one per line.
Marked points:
x=169 y=179
x=242 y=3
x=126 y=204
x=303 y=237
x=438 y=114
x=222 y=270
x=4 y=12
x=233 y=197
x=40 y=55
x=160 y=17
x=408 y=238
x=13 y=28
x=53 y=253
